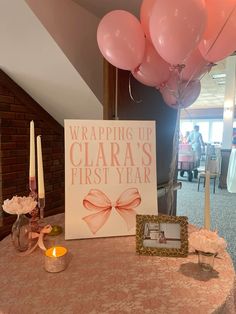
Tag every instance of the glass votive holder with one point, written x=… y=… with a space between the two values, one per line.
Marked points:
x=56 y=230
x=55 y=259
x=53 y=239
x=206 y=260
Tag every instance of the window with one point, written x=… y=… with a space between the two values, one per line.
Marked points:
x=186 y=126
x=211 y=130
x=216 y=132
x=204 y=130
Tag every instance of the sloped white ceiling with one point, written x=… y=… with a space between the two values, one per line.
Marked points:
x=33 y=60
x=102 y=7
x=75 y=31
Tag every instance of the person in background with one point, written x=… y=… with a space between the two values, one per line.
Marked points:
x=186 y=138
x=180 y=137
x=162 y=238
x=195 y=139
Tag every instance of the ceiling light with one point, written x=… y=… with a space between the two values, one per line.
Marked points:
x=228 y=113
x=218 y=76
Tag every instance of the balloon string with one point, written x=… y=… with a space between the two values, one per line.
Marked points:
x=116 y=95
x=130 y=91
x=170 y=192
x=180 y=89
x=171 y=91
x=221 y=30
x=195 y=71
x=178 y=70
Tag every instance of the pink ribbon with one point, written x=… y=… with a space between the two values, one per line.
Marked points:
x=47 y=229
x=98 y=202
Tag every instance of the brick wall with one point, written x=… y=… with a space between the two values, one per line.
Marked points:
x=17 y=109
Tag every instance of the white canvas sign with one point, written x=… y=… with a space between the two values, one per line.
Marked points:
x=110 y=176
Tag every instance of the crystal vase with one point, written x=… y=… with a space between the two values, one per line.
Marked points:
x=206 y=260
x=20 y=233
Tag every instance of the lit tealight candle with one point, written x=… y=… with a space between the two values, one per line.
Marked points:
x=55 y=259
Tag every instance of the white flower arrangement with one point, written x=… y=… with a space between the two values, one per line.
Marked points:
x=19 y=205
x=207 y=241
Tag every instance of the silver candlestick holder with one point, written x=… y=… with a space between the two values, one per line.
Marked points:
x=37 y=214
x=41 y=206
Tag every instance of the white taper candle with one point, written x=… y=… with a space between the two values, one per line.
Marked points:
x=41 y=190
x=32 y=151
x=207 y=213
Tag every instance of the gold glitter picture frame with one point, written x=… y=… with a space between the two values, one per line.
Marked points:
x=162 y=235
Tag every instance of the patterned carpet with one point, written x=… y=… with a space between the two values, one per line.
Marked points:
x=190 y=203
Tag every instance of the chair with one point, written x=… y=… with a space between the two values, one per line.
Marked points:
x=213 y=165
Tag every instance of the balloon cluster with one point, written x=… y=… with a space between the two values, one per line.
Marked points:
x=172 y=46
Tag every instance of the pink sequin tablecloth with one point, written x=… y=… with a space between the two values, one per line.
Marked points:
x=106 y=276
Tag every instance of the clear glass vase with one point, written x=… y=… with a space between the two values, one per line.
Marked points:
x=206 y=260
x=20 y=233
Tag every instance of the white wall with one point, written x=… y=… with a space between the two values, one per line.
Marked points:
x=34 y=61
x=75 y=31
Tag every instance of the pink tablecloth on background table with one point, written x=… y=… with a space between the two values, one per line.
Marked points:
x=106 y=276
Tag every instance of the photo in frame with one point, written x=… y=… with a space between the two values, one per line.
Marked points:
x=110 y=176
x=162 y=235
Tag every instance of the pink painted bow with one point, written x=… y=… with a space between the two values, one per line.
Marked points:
x=99 y=203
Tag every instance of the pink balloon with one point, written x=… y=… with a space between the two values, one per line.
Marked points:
x=121 y=39
x=170 y=90
x=190 y=93
x=139 y=76
x=153 y=70
x=176 y=27
x=195 y=67
x=219 y=39
x=177 y=94
x=145 y=13
x=168 y=98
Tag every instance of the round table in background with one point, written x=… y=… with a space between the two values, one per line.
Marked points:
x=107 y=276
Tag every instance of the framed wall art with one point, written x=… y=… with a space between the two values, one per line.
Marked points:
x=162 y=235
